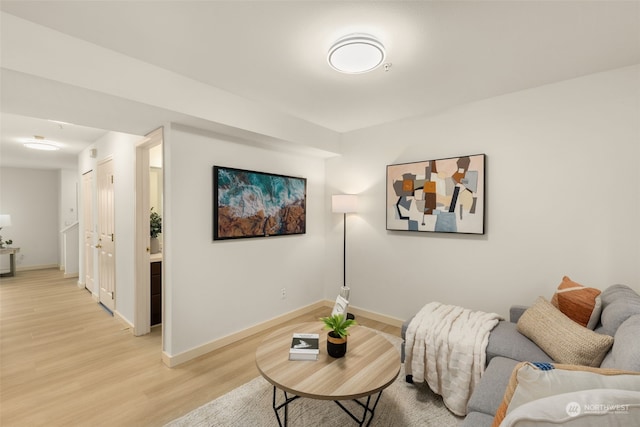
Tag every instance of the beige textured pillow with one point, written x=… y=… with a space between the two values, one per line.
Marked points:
x=577 y=302
x=560 y=337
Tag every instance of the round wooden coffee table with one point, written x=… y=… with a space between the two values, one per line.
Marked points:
x=371 y=364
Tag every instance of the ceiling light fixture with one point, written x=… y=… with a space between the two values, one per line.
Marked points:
x=356 y=53
x=39 y=143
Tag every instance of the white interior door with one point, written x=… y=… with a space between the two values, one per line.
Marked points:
x=87 y=207
x=106 y=236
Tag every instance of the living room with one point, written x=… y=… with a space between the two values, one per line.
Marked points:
x=561 y=194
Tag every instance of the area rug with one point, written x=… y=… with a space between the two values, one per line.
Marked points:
x=401 y=405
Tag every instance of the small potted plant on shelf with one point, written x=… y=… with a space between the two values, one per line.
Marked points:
x=337 y=336
x=155 y=226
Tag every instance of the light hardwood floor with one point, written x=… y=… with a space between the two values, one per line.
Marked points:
x=64 y=361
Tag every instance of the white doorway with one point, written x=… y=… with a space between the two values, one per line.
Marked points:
x=149 y=267
x=106 y=236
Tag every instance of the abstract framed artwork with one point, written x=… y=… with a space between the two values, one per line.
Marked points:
x=442 y=196
x=257 y=204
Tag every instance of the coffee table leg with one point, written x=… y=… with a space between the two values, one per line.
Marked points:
x=366 y=406
x=367 y=409
x=285 y=405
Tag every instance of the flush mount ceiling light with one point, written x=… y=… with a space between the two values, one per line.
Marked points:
x=356 y=53
x=39 y=143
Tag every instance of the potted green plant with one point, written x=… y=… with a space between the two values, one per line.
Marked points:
x=338 y=326
x=155 y=226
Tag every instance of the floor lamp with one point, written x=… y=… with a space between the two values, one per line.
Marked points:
x=344 y=204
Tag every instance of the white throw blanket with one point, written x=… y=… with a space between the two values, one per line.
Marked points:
x=446 y=346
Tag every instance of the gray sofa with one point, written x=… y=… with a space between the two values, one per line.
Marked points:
x=620 y=318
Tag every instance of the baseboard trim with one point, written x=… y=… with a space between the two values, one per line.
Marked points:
x=180 y=358
x=389 y=320
x=69 y=275
x=121 y=318
x=36 y=267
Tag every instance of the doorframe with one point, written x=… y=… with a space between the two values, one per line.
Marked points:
x=87 y=196
x=99 y=165
x=142 y=294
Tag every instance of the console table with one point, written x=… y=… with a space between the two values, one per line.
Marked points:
x=12 y=260
x=371 y=364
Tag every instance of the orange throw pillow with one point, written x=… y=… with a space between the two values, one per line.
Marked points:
x=577 y=302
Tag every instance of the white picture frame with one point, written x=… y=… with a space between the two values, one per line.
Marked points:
x=340 y=307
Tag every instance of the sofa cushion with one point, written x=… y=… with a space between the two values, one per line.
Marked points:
x=560 y=337
x=619 y=302
x=619 y=408
x=506 y=341
x=529 y=382
x=515 y=311
x=577 y=302
x=477 y=419
x=625 y=353
x=488 y=393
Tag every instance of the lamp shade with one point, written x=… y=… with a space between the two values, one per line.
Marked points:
x=5 y=220
x=344 y=203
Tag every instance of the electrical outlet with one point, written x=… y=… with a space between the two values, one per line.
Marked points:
x=283 y=293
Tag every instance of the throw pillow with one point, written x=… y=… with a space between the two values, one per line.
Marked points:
x=560 y=337
x=532 y=381
x=620 y=408
x=579 y=303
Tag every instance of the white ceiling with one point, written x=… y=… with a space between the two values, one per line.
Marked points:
x=72 y=139
x=273 y=54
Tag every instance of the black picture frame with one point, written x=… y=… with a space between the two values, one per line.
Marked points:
x=248 y=204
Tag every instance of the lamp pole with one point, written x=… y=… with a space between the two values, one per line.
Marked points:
x=344 y=204
x=344 y=251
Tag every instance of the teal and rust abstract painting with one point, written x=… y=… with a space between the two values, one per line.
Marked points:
x=257 y=204
x=443 y=195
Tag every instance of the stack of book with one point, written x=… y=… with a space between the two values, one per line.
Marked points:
x=304 y=347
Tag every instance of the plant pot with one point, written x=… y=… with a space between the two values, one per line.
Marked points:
x=336 y=345
x=154 y=245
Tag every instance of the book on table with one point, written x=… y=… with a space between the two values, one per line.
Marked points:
x=304 y=347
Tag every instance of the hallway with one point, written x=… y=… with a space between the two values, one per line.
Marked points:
x=65 y=361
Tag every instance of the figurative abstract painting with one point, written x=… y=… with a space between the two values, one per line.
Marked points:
x=257 y=204
x=444 y=195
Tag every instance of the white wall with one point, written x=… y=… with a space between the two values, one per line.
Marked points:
x=120 y=147
x=215 y=288
x=68 y=203
x=562 y=198
x=30 y=196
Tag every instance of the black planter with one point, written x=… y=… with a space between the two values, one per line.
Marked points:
x=336 y=345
